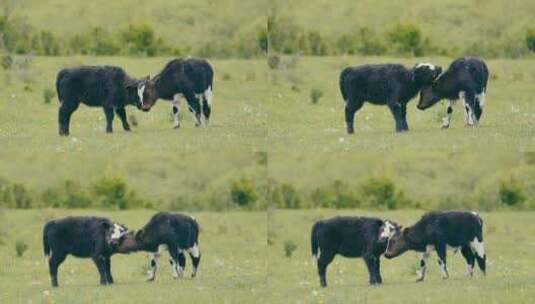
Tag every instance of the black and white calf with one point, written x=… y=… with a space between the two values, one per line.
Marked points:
x=175 y=232
x=384 y=84
x=190 y=78
x=108 y=87
x=351 y=237
x=440 y=231
x=84 y=237
x=466 y=79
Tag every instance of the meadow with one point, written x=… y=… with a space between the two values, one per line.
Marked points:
x=232 y=269
x=297 y=124
x=509 y=279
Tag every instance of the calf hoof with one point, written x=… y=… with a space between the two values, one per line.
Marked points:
x=176 y=126
x=445 y=127
x=350 y=131
x=150 y=279
x=128 y=129
x=419 y=279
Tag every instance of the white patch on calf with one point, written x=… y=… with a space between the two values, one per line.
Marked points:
x=447 y=119
x=194 y=251
x=478 y=247
x=208 y=94
x=443 y=269
x=388 y=230
x=469 y=269
x=420 y=272
x=118 y=232
x=140 y=92
x=480 y=98
x=176 y=104
x=153 y=264
x=426 y=64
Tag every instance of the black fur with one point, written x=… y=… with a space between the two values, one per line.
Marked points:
x=188 y=77
x=108 y=87
x=82 y=237
x=383 y=84
x=350 y=237
x=441 y=229
x=468 y=74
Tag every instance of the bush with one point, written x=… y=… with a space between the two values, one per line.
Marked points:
x=381 y=193
x=369 y=43
x=48 y=94
x=315 y=95
x=289 y=248
x=408 y=39
x=74 y=196
x=97 y=41
x=7 y=62
x=511 y=193
x=336 y=195
x=141 y=40
x=21 y=197
x=285 y=196
x=20 y=247
x=112 y=193
x=45 y=43
x=273 y=61
x=243 y=192
x=530 y=39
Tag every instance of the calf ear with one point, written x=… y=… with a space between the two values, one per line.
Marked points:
x=107 y=225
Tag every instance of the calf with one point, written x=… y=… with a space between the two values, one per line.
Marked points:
x=175 y=232
x=84 y=237
x=465 y=79
x=351 y=237
x=108 y=87
x=190 y=78
x=384 y=84
x=438 y=231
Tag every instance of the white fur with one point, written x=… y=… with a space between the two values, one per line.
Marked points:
x=140 y=92
x=388 y=230
x=176 y=104
x=194 y=251
x=118 y=232
x=481 y=99
x=469 y=269
x=443 y=269
x=478 y=247
x=153 y=256
x=447 y=119
x=420 y=272
x=427 y=64
x=208 y=94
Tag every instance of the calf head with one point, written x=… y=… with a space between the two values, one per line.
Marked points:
x=115 y=233
x=387 y=230
x=425 y=73
x=427 y=97
x=130 y=242
x=398 y=243
x=147 y=94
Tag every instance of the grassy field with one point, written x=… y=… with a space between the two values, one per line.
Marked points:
x=509 y=280
x=179 y=22
x=232 y=269
x=508 y=120
x=450 y=24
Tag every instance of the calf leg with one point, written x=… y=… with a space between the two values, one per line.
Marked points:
x=153 y=265
x=449 y=111
x=194 y=107
x=324 y=260
x=175 y=108
x=420 y=273
x=441 y=253
x=469 y=257
x=107 y=263
x=53 y=264
x=64 y=116
x=372 y=262
x=404 y=124
x=109 y=119
x=469 y=106
x=122 y=115
x=195 y=255
x=100 y=262
x=207 y=104
x=175 y=253
x=397 y=112
x=479 y=250
x=351 y=108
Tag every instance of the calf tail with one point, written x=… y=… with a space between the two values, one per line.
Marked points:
x=58 y=81
x=314 y=242
x=479 y=247
x=341 y=83
x=46 y=245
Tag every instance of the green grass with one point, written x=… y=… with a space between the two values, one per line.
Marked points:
x=296 y=124
x=509 y=279
x=450 y=24
x=180 y=22
x=232 y=269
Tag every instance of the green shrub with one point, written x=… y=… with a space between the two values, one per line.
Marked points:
x=112 y=193
x=511 y=193
x=370 y=43
x=48 y=94
x=243 y=192
x=21 y=197
x=273 y=61
x=336 y=195
x=46 y=43
x=315 y=95
x=97 y=41
x=530 y=39
x=141 y=40
x=73 y=196
x=381 y=192
x=285 y=196
x=20 y=247
x=408 y=39
x=289 y=248
x=262 y=40
x=7 y=62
